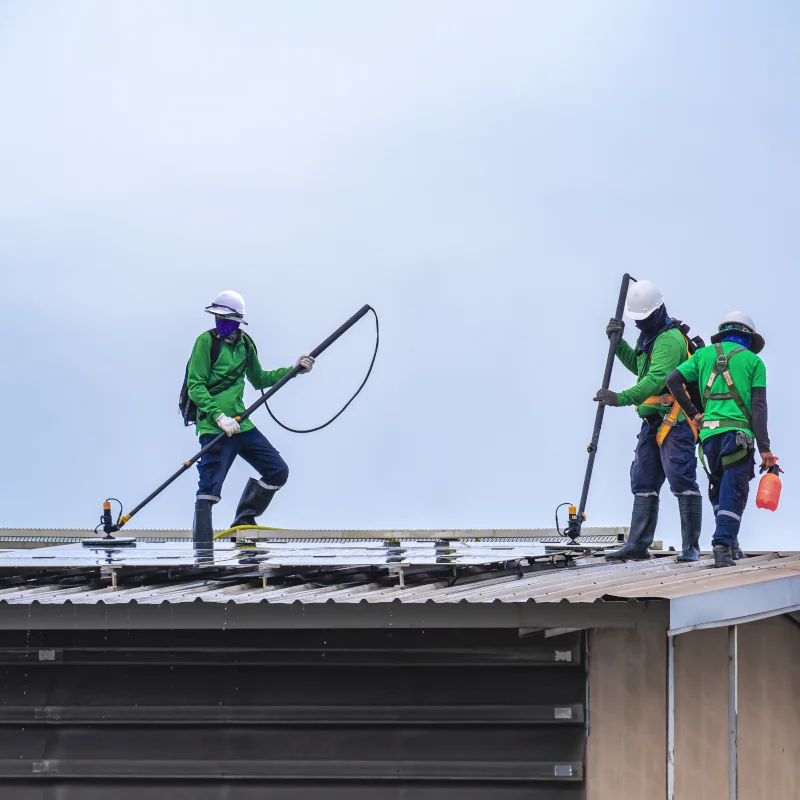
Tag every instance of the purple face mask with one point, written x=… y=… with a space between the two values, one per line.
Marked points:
x=225 y=326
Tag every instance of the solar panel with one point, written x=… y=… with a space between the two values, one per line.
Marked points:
x=278 y=553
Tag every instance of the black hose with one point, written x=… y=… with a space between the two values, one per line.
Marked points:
x=344 y=407
x=558 y=508
x=121 y=509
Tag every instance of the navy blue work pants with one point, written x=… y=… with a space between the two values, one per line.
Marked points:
x=675 y=461
x=253 y=447
x=728 y=487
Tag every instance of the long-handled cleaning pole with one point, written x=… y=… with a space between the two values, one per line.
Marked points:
x=577 y=517
x=317 y=351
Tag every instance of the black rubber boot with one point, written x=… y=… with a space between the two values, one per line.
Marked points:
x=253 y=503
x=736 y=551
x=643 y=528
x=691 y=511
x=723 y=557
x=202 y=529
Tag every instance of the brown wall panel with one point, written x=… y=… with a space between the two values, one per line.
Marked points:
x=627 y=745
x=769 y=710
x=701 y=715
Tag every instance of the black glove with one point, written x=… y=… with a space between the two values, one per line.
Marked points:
x=606 y=397
x=615 y=326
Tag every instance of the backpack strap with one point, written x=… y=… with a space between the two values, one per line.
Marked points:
x=691 y=344
x=720 y=368
x=216 y=345
x=226 y=381
x=249 y=343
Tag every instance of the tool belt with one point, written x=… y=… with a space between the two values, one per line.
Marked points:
x=671 y=419
x=745 y=442
x=724 y=424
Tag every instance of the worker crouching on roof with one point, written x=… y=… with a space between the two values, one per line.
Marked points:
x=666 y=444
x=217 y=388
x=733 y=381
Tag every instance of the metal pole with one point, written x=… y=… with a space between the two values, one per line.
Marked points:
x=574 y=529
x=588 y=654
x=733 y=712
x=317 y=351
x=671 y=717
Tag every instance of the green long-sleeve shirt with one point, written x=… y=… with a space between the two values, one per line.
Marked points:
x=669 y=351
x=230 y=401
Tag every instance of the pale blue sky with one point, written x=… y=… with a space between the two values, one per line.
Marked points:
x=480 y=172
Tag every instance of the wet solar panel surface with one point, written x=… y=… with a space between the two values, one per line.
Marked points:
x=277 y=553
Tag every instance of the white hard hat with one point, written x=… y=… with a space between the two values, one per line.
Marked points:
x=228 y=304
x=644 y=298
x=739 y=321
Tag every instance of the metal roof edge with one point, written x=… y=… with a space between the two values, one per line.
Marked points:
x=734 y=605
x=298 y=615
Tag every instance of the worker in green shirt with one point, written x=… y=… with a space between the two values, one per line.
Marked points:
x=216 y=386
x=733 y=380
x=665 y=449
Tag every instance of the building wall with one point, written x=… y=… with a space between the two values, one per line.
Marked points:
x=701 y=715
x=480 y=714
x=769 y=709
x=627 y=744
x=769 y=712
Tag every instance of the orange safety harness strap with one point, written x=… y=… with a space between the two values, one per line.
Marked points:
x=671 y=419
x=659 y=400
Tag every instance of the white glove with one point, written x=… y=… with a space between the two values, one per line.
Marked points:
x=305 y=363
x=228 y=424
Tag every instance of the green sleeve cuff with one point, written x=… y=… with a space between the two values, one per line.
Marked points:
x=271 y=377
x=624 y=398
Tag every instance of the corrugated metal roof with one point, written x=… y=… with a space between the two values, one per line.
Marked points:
x=589 y=580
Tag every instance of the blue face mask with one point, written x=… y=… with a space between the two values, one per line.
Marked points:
x=226 y=327
x=743 y=339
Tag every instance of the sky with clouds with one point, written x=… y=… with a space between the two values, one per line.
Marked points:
x=482 y=173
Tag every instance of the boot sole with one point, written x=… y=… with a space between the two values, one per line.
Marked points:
x=621 y=559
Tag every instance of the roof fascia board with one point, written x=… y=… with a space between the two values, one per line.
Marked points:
x=199 y=615
x=735 y=605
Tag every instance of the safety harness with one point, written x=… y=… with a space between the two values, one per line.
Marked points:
x=670 y=420
x=721 y=368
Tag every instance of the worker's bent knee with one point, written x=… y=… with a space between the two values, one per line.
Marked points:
x=276 y=477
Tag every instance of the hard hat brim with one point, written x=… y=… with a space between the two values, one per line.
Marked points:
x=638 y=316
x=758 y=342
x=224 y=311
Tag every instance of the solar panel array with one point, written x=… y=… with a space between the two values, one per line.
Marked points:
x=278 y=553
